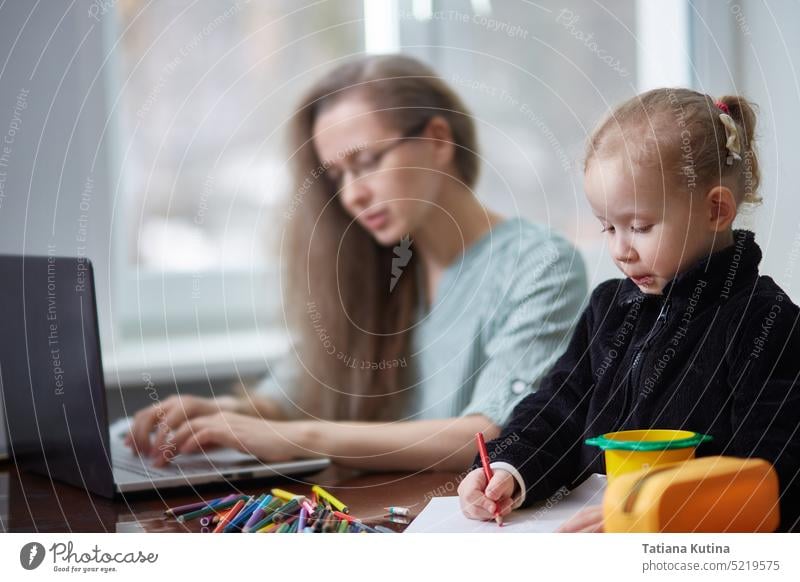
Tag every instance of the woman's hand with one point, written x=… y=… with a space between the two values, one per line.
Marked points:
x=481 y=501
x=165 y=417
x=587 y=520
x=270 y=441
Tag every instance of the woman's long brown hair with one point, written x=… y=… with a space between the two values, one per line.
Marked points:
x=352 y=330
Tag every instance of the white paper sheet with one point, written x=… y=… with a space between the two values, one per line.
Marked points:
x=443 y=514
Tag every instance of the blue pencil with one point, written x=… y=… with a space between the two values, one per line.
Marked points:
x=238 y=521
x=301 y=521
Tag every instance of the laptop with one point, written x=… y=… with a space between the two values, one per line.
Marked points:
x=3 y=437
x=54 y=395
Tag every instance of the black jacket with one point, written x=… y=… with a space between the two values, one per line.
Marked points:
x=717 y=353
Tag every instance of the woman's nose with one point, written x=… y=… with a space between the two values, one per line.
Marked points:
x=355 y=193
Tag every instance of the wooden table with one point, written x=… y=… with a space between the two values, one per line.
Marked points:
x=36 y=504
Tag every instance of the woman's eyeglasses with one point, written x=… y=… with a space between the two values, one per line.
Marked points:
x=369 y=161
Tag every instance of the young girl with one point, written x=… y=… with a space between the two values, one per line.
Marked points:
x=693 y=338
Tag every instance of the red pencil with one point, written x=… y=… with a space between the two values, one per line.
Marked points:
x=229 y=516
x=344 y=516
x=487 y=470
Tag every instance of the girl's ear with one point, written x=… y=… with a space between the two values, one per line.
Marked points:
x=721 y=207
x=440 y=138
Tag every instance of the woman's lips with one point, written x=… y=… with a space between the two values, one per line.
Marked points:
x=375 y=220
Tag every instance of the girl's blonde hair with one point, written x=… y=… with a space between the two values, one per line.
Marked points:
x=339 y=277
x=680 y=133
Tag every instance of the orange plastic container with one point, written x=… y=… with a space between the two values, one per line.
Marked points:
x=711 y=494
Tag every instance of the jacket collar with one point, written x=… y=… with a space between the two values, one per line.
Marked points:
x=715 y=277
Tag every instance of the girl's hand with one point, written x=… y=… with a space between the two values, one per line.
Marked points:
x=481 y=501
x=165 y=417
x=270 y=441
x=587 y=520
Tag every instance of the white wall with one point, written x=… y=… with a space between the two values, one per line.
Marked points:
x=770 y=75
x=753 y=49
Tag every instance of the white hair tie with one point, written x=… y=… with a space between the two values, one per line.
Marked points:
x=732 y=142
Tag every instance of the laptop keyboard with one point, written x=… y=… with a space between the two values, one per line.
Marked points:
x=123 y=458
x=138 y=467
x=216 y=461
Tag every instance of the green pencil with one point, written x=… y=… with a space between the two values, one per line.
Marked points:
x=211 y=509
x=289 y=509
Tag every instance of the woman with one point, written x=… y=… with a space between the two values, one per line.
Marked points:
x=421 y=316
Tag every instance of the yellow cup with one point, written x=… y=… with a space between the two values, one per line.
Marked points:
x=633 y=450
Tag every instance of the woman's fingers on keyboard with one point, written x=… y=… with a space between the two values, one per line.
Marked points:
x=173 y=417
x=182 y=438
x=174 y=413
x=141 y=426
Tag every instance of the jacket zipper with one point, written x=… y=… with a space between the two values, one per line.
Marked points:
x=661 y=320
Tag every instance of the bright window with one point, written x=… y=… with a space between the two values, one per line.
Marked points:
x=208 y=86
x=206 y=91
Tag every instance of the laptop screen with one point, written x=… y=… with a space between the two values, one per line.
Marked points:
x=50 y=370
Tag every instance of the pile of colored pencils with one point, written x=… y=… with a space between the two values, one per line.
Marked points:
x=275 y=512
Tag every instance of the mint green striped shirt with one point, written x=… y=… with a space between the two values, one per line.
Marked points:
x=502 y=314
